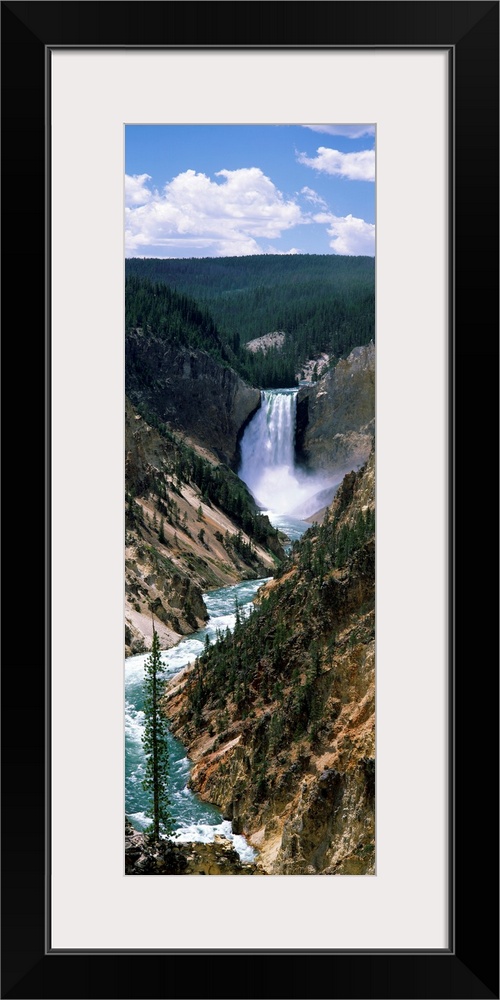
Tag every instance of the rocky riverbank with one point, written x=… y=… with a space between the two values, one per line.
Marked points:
x=143 y=857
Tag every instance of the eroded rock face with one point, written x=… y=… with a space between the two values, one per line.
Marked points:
x=190 y=390
x=293 y=765
x=177 y=546
x=336 y=417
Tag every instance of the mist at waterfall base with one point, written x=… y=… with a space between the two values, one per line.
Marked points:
x=268 y=465
x=194 y=820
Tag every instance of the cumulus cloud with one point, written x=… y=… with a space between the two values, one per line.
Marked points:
x=349 y=131
x=358 y=166
x=136 y=189
x=283 y=253
x=225 y=217
x=313 y=197
x=351 y=236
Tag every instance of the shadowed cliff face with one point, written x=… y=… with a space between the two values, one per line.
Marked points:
x=279 y=720
x=336 y=417
x=190 y=390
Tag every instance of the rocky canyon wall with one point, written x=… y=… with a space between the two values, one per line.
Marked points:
x=336 y=417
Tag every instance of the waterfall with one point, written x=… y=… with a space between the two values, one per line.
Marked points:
x=268 y=441
x=268 y=460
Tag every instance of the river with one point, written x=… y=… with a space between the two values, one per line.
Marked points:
x=284 y=493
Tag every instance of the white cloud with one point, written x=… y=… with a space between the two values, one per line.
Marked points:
x=136 y=190
x=313 y=197
x=193 y=211
x=358 y=166
x=283 y=253
x=349 y=131
x=351 y=236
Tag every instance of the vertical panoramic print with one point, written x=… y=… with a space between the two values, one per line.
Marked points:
x=250 y=499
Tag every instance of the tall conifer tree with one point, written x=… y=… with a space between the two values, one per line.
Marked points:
x=154 y=741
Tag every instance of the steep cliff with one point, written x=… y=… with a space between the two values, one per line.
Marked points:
x=336 y=417
x=279 y=717
x=189 y=389
x=190 y=527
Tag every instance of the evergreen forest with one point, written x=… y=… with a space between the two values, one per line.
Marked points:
x=321 y=303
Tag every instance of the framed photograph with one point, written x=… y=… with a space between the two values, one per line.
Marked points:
x=421 y=80
x=250 y=499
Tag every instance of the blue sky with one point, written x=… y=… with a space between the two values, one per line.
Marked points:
x=231 y=190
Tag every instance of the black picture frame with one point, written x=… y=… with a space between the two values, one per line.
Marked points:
x=469 y=969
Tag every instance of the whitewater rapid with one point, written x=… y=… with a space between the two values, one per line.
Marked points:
x=194 y=820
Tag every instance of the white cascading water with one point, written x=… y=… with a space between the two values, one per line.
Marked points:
x=268 y=460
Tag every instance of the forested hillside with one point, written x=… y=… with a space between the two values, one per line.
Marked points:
x=279 y=715
x=321 y=303
x=176 y=369
x=153 y=306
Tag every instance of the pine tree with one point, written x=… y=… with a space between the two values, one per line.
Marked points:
x=154 y=741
